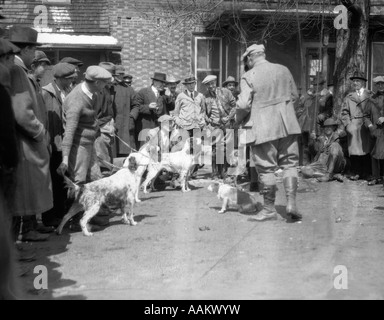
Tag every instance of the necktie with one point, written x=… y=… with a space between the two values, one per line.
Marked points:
x=192 y=95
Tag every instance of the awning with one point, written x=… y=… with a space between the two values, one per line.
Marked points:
x=59 y=40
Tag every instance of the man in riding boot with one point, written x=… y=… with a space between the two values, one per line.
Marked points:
x=329 y=161
x=265 y=106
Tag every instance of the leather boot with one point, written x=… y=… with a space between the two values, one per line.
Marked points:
x=290 y=186
x=254 y=186
x=269 y=211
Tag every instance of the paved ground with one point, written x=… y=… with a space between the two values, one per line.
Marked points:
x=183 y=249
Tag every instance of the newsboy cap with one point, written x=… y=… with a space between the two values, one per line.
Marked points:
x=64 y=70
x=109 y=66
x=7 y=47
x=23 y=35
x=330 y=122
x=40 y=56
x=72 y=61
x=120 y=69
x=95 y=73
x=255 y=48
x=209 y=78
x=378 y=79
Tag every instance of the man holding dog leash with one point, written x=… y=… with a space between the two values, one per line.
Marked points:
x=265 y=107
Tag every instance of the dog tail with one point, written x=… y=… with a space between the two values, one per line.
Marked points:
x=73 y=189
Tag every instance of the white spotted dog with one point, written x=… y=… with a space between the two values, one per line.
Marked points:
x=118 y=189
x=231 y=196
x=181 y=162
x=147 y=154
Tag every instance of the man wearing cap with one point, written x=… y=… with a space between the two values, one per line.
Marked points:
x=171 y=93
x=374 y=122
x=353 y=112
x=53 y=95
x=329 y=161
x=265 y=105
x=231 y=84
x=124 y=100
x=81 y=127
x=78 y=64
x=220 y=108
x=33 y=194
x=106 y=121
x=128 y=79
x=150 y=104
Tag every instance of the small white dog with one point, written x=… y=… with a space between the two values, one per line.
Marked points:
x=181 y=162
x=241 y=200
x=119 y=188
x=147 y=154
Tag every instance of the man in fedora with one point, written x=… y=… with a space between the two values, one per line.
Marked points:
x=124 y=101
x=266 y=108
x=329 y=162
x=54 y=95
x=33 y=194
x=231 y=84
x=353 y=112
x=171 y=93
x=150 y=104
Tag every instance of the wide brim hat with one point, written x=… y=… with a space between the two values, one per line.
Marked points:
x=330 y=122
x=173 y=80
x=23 y=35
x=159 y=77
x=358 y=75
x=230 y=80
x=189 y=80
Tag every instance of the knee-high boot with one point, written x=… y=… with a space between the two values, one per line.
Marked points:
x=290 y=186
x=269 y=211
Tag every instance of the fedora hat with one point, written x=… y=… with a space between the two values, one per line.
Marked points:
x=172 y=79
x=230 y=80
x=23 y=35
x=159 y=77
x=190 y=79
x=358 y=75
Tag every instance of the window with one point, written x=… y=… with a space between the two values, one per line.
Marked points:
x=377 y=59
x=208 y=59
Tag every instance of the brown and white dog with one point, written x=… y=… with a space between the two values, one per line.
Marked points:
x=181 y=162
x=118 y=189
x=147 y=154
x=240 y=200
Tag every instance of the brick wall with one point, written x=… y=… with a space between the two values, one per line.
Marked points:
x=148 y=44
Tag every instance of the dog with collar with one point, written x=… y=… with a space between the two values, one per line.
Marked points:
x=118 y=189
x=243 y=201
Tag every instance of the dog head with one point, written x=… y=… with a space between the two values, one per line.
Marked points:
x=132 y=164
x=214 y=187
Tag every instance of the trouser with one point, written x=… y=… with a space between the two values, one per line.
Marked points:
x=58 y=189
x=361 y=165
x=104 y=150
x=273 y=155
x=377 y=168
x=83 y=166
x=307 y=150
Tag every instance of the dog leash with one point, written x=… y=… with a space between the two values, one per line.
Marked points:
x=133 y=149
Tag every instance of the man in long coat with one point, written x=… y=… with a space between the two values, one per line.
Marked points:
x=353 y=112
x=124 y=100
x=33 y=180
x=268 y=92
x=150 y=104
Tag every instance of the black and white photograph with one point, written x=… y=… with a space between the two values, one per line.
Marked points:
x=193 y=155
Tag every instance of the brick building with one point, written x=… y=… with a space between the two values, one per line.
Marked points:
x=180 y=37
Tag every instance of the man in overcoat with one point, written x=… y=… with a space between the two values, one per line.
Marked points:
x=265 y=104
x=353 y=112
x=33 y=180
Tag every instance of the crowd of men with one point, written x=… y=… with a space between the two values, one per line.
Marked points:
x=79 y=128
